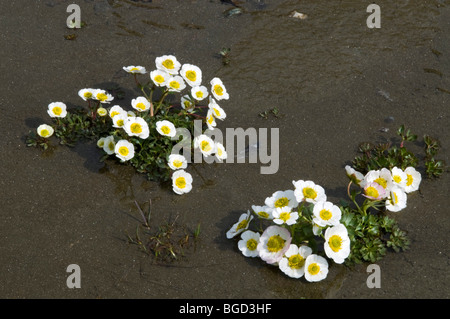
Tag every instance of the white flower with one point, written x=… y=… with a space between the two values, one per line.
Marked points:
x=86 y=94
x=316 y=268
x=284 y=215
x=355 y=176
x=263 y=211
x=140 y=104
x=136 y=126
x=124 y=150
x=217 y=111
x=176 y=84
x=399 y=177
x=281 y=199
x=218 y=89
x=396 y=200
x=293 y=261
x=192 y=74
x=168 y=63
x=413 y=179
x=186 y=103
x=199 y=92
x=181 y=182
x=177 y=161
x=210 y=120
x=109 y=145
x=131 y=114
x=337 y=243
x=205 y=144
x=45 y=130
x=116 y=109
x=57 y=109
x=102 y=96
x=382 y=177
x=135 y=69
x=249 y=243
x=309 y=192
x=101 y=142
x=166 y=128
x=220 y=151
x=159 y=77
x=102 y=111
x=326 y=214
x=120 y=119
x=240 y=226
x=273 y=243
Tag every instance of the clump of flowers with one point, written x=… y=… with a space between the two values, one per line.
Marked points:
x=144 y=133
x=301 y=232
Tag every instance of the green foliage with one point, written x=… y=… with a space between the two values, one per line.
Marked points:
x=433 y=167
x=371 y=235
x=151 y=154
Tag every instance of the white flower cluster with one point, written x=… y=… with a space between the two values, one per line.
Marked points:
x=172 y=76
x=275 y=246
x=388 y=185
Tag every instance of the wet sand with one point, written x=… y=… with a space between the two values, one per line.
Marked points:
x=334 y=81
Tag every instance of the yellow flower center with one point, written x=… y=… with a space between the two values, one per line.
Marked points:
x=281 y=202
x=87 y=95
x=325 y=214
x=111 y=146
x=120 y=122
x=140 y=106
x=242 y=225
x=114 y=113
x=275 y=243
x=180 y=182
x=187 y=104
x=168 y=64
x=309 y=192
x=174 y=84
x=210 y=119
x=57 y=110
x=45 y=133
x=381 y=181
x=252 y=244
x=102 y=111
x=191 y=75
x=123 y=150
x=218 y=89
x=409 y=180
x=199 y=94
x=216 y=111
x=219 y=152
x=313 y=269
x=372 y=192
x=165 y=129
x=394 y=198
x=159 y=79
x=263 y=214
x=285 y=216
x=335 y=243
x=296 y=261
x=134 y=69
x=205 y=146
x=136 y=128
x=102 y=97
x=397 y=178
x=177 y=163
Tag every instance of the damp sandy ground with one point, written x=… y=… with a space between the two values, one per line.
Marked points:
x=335 y=82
